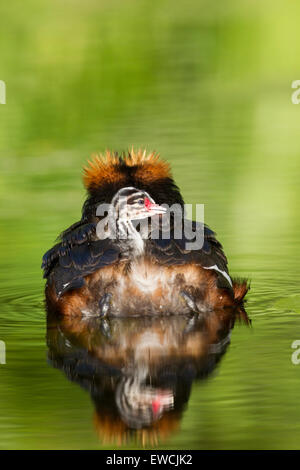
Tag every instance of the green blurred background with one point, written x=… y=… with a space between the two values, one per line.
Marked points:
x=206 y=84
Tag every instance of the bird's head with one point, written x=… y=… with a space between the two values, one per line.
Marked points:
x=134 y=204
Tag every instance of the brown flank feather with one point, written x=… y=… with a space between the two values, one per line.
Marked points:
x=240 y=289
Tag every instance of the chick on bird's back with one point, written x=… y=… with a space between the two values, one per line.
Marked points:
x=125 y=257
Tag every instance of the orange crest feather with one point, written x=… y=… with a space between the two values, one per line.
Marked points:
x=107 y=168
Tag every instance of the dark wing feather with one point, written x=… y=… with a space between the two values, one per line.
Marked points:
x=172 y=251
x=79 y=261
x=77 y=234
x=78 y=254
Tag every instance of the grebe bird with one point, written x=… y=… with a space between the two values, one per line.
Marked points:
x=109 y=263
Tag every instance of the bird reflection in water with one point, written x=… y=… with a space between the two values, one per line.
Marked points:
x=139 y=370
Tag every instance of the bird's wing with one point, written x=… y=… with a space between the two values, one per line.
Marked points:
x=76 y=256
x=75 y=235
x=205 y=251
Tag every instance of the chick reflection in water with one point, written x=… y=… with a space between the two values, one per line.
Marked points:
x=139 y=371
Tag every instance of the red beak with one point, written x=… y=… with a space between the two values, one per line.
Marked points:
x=155 y=406
x=154 y=207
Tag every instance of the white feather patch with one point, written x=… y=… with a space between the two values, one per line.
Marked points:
x=224 y=273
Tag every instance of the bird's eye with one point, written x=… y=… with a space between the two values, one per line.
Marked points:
x=141 y=202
